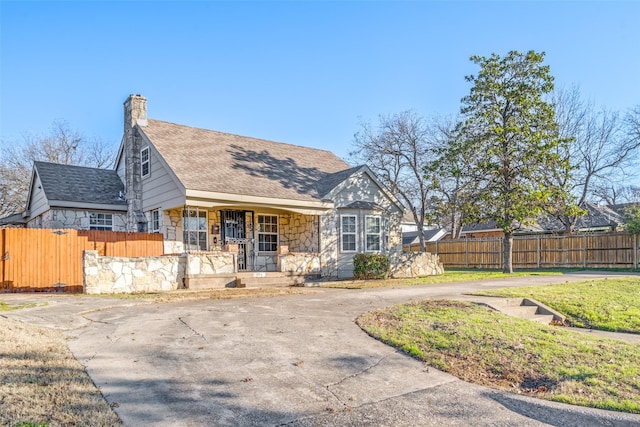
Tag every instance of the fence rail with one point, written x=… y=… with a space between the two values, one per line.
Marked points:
x=594 y=250
x=51 y=260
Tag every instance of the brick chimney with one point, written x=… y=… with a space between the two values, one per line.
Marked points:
x=135 y=116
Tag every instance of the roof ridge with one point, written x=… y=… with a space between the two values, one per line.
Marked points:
x=241 y=136
x=71 y=166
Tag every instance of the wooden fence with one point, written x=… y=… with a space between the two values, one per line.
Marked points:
x=51 y=260
x=593 y=250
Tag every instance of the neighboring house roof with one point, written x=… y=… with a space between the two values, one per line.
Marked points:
x=212 y=161
x=598 y=217
x=411 y=237
x=621 y=208
x=68 y=183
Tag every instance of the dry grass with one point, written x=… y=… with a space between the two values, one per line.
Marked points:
x=41 y=384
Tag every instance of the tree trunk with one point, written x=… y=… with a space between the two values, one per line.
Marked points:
x=508 y=253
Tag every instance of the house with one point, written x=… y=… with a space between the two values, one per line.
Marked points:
x=206 y=190
x=410 y=238
x=64 y=196
x=598 y=218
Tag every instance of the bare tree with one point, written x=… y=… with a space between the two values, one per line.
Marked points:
x=602 y=150
x=398 y=150
x=451 y=176
x=612 y=194
x=62 y=145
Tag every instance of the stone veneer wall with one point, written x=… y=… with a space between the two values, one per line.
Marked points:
x=415 y=264
x=329 y=235
x=299 y=263
x=110 y=275
x=211 y=263
x=299 y=232
x=75 y=219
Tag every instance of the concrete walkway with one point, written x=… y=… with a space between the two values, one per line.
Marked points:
x=297 y=360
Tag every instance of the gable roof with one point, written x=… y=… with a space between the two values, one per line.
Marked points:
x=66 y=183
x=333 y=184
x=212 y=161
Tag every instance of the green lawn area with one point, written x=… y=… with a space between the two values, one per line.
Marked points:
x=610 y=305
x=448 y=276
x=489 y=348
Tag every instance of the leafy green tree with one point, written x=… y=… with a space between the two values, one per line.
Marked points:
x=513 y=135
x=632 y=219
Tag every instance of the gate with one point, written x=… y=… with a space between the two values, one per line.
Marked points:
x=234 y=231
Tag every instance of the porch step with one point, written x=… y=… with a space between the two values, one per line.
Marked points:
x=210 y=281
x=524 y=308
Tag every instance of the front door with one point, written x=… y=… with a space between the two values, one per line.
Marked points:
x=234 y=230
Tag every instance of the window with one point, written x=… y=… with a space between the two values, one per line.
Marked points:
x=155 y=221
x=348 y=230
x=267 y=233
x=194 y=229
x=373 y=231
x=101 y=221
x=144 y=161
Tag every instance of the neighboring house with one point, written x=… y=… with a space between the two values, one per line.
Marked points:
x=204 y=189
x=64 y=196
x=599 y=218
x=410 y=238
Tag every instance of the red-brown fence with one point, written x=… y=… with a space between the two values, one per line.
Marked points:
x=592 y=250
x=51 y=260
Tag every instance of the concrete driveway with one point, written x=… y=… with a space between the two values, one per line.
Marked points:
x=297 y=360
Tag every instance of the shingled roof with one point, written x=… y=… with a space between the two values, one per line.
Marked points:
x=80 y=184
x=219 y=162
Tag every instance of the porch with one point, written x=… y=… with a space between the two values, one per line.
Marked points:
x=259 y=237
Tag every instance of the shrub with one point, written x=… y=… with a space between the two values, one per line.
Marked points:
x=370 y=266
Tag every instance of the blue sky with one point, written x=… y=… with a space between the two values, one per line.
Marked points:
x=304 y=73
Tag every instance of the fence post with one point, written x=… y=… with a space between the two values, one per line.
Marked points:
x=500 y=252
x=538 y=251
x=467 y=250
x=635 y=251
x=585 y=251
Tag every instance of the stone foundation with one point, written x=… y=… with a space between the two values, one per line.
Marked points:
x=415 y=264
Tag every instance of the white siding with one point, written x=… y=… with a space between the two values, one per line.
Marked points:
x=159 y=189
x=120 y=168
x=39 y=203
x=359 y=188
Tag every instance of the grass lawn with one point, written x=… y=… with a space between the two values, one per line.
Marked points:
x=448 y=276
x=492 y=349
x=41 y=384
x=610 y=305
